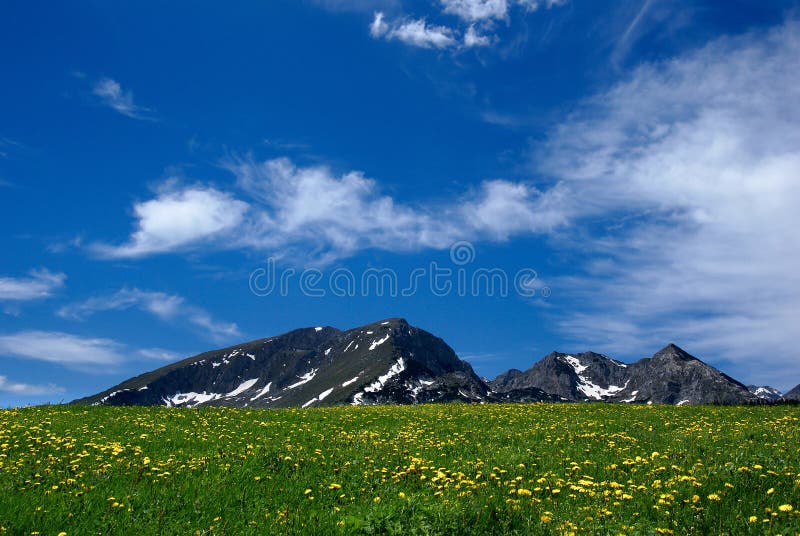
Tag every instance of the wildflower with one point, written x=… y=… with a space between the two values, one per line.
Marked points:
x=376 y=500
x=770 y=491
x=335 y=486
x=713 y=497
x=752 y=519
x=785 y=508
x=401 y=495
x=306 y=492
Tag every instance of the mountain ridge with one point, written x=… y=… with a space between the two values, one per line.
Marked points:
x=393 y=362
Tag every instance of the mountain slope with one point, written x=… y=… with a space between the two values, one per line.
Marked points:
x=671 y=376
x=385 y=362
x=793 y=394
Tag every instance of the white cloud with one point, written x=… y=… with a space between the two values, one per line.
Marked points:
x=476 y=10
x=692 y=168
x=111 y=94
x=313 y=209
x=62 y=348
x=418 y=33
x=476 y=17
x=167 y=307
x=40 y=284
x=313 y=213
x=28 y=389
x=378 y=28
x=178 y=219
x=473 y=39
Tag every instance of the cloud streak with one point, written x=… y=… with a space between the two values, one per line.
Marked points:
x=28 y=389
x=166 y=307
x=41 y=284
x=111 y=94
x=62 y=348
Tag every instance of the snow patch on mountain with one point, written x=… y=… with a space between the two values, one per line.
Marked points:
x=305 y=378
x=243 y=387
x=349 y=382
x=380 y=383
x=190 y=400
x=378 y=342
x=262 y=392
x=586 y=386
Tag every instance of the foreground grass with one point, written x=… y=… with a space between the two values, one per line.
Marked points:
x=437 y=469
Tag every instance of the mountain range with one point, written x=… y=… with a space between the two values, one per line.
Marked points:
x=392 y=362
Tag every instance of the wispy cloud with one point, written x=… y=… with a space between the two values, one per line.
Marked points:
x=7 y=144
x=62 y=348
x=40 y=284
x=417 y=33
x=111 y=94
x=689 y=168
x=314 y=213
x=166 y=307
x=313 y=209
x=159 y=354
x=476 y=20
x=28 y=389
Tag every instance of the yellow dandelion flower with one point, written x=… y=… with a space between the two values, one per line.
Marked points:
x=752 y=519
x=714 y=497
x=401 y=495
x=376 y=500
x=770 y=491
x=334 y=486
x=785 y=508
x=306 y=492
x=545 y=519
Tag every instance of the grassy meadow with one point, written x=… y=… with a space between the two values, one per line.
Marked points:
x=431 y=469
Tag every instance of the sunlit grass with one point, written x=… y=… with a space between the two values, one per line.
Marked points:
x=433 y=469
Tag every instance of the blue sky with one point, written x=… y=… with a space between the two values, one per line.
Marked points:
x=643 y=158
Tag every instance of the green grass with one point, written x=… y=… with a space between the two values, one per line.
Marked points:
x=434 y=469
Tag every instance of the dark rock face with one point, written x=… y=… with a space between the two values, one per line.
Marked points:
x=388 y=362
x=671 y=376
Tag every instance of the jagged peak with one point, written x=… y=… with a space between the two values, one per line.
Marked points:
x=673 y=351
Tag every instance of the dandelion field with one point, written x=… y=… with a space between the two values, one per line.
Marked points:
x=429 y=469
